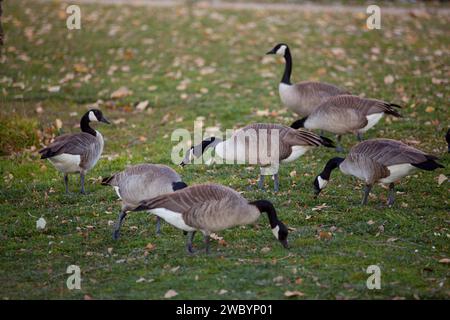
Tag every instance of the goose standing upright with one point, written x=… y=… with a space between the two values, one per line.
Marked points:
x=210 y=208
x=347 y=114
x=303 y=97
x=77 y=152
x=378 y=160
x=141 y=182
x=263 y=144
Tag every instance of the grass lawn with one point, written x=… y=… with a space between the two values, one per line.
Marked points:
x=200 y=63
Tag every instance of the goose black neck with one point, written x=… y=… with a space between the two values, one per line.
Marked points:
x=84 y=125
x=287 y=68
x=267 y=206
x=330 y=166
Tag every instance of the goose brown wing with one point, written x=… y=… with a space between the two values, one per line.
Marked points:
x=76 y=144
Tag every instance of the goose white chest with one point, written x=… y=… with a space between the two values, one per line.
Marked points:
x=288 y=95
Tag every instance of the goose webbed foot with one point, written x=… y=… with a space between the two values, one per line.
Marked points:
x=116 y=232
x=367 y=189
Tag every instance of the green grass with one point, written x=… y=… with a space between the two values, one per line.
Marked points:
x=162 y=47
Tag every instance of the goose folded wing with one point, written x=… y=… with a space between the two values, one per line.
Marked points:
x=364 y=167
x=76 y=144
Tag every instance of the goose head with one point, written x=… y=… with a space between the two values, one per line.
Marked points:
x=321 y=181
x=95 y=115
x=279 y=49
x=197 y=150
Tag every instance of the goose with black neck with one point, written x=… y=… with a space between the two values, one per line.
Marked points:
x=77 y=152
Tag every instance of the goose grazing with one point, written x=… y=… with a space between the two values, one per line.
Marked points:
x=378 y=160
x=347 y=114
x=211 y=208
x=304 y=97
x=77 y=152
x=263 y=144
x=141 y=182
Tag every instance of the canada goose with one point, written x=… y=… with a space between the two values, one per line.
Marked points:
x=77 y=152
x=378 y=160
x=210 y=208
x=347 y=114
x=141 y=182
x=253 y=145
x=304 y=97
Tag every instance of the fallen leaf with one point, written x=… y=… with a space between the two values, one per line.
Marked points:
x=170 y=294
x=290 y=294
x=54 y=89
x=441 y=179
x=324 y=235
x=120 y=93
x=41 y=223
x=389 y=79
x=222 y=291
x=150 y=246
x=429 y=109
x=142 y=105
x=445 y=261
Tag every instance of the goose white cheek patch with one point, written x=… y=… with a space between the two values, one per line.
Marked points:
x=92 y=117
x=281 y=50
x=275 y=231
x=322 y=182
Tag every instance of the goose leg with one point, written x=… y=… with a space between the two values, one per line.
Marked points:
x=359 y=136
x=338 y=144
x=118 y=224
x=158 y=225
x=276 y=182
x=261 y=182
x=82 y=183
x=391 y=197
x=367 y=189
x=206 y=239
x=190 y=238
x=66 y=182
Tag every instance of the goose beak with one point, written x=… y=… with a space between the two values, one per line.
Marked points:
x=270 y=52
x=182 y=164
x=316 y=192
x=104 y=120
x=285 y=243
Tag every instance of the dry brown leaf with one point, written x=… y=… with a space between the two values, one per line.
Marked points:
x=429 y=109
x=120 y=93
x=441 y=179
x=389 y=79
x=445 y=261
x=325 y=235
x=290 y=294
x=170 y=294
x=142 y=105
